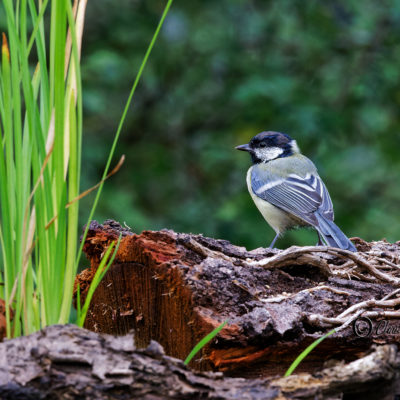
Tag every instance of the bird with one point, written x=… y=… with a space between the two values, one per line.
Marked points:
x=287 y=190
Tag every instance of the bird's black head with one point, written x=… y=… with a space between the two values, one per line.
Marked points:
x=267 y=146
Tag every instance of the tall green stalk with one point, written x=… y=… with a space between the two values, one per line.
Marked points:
x=41 y=136
x=41 y=132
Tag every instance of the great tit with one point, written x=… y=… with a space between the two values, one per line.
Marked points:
x=287 y=190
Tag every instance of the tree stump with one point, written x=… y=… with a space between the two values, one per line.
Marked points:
x=175 y=288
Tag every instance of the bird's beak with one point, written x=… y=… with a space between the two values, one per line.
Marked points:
x=244 y=147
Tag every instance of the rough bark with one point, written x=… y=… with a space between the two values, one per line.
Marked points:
x=66 y=362
x=3 y=323
x=3 y=319
x=175 y=288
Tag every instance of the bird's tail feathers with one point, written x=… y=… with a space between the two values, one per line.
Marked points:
x=332 y=234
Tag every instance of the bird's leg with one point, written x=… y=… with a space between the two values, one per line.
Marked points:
x=320 y=242
x=271 y=246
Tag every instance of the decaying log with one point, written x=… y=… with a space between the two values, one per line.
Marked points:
x=175 y=288
x=3 y=319
x=3 y=324
x=66 y=362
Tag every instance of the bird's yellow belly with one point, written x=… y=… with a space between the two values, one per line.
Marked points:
x=278 y=219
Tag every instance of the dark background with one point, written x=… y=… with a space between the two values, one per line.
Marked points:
x=325 y=72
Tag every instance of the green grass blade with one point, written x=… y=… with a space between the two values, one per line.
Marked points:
x=38 y=19
x=78 y=299
x=121 y=122
x=74 y=110
x=98 y=276
x=203 y=342
x=306 y=352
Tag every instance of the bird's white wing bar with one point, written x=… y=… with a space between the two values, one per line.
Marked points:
x=269 y=185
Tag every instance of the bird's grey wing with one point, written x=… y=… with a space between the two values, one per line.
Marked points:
x=313 y=187
x=301 y=196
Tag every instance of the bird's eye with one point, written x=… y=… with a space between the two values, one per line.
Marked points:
x=262 y=144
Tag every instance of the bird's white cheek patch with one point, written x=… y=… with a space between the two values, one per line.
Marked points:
x=268 y=153
x=295 y=147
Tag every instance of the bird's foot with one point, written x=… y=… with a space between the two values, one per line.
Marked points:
x=271 y=246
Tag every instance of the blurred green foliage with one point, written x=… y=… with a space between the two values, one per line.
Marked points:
x=325 y=72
